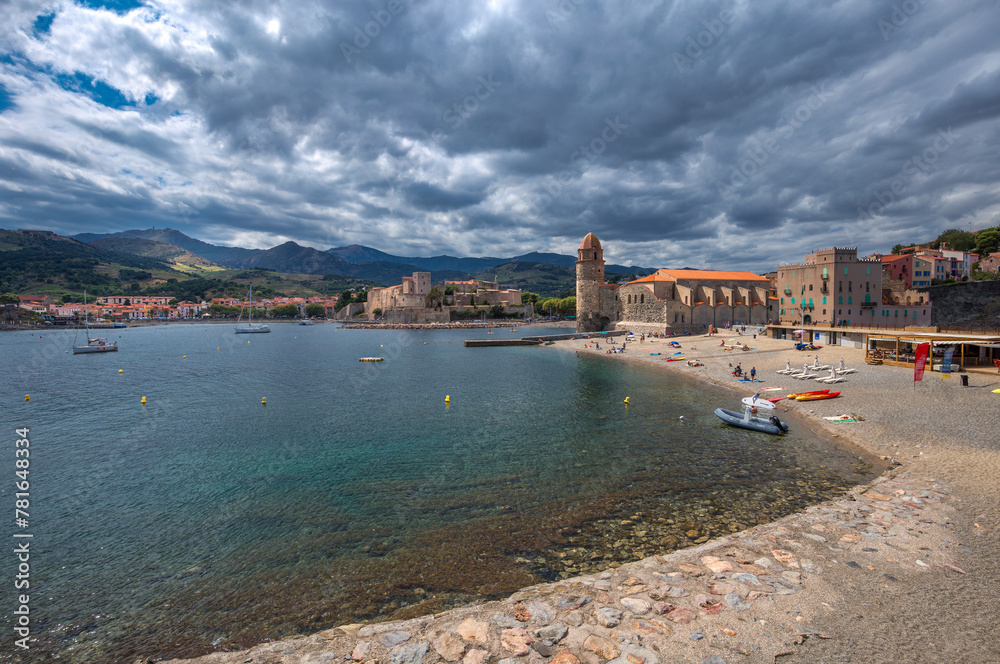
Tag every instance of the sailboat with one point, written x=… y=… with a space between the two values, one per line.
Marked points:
x=250 y=326
x=94 y=345
x=305 y=319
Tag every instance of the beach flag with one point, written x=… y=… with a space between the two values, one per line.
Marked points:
x=946 y=362
x=919 y=360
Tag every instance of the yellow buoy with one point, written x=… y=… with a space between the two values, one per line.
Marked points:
x=184 y=357
x=626 y=399
x=263 y=401
x=144 y=401
x=27 y=397
x=119 y=371
x=447 y=398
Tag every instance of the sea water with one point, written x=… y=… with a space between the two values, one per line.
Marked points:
x=205 y=519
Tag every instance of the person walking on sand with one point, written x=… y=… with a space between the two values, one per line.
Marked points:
x=753 y=372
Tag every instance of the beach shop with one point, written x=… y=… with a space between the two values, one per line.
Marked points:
x=968 y=352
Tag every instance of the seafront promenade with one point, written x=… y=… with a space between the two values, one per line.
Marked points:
x=900 y=570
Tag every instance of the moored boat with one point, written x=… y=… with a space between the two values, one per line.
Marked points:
x=770 y=425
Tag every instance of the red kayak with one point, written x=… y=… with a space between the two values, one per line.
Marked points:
x=817 y=397
x=800 y=394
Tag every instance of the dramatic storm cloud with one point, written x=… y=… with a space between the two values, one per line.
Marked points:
x=712 y=134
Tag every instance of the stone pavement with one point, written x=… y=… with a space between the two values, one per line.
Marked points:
x=750 y=597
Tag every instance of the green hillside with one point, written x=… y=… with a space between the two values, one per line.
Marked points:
x=542 y=278
x=176 y=257
x=43 y=262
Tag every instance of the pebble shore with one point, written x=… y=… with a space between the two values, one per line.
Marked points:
x=897 y=570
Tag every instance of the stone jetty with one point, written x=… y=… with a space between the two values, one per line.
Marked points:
x=756 y=596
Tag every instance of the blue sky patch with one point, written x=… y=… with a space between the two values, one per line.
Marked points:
x=117 y=6
x=6 y=99
x=43 y=23
x=94 y=88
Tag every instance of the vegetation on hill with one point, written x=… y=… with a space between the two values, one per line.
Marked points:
x=541 y=278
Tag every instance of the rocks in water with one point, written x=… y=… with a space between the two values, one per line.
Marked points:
x=608 y=617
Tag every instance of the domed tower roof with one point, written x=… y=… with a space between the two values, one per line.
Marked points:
x=591 y=242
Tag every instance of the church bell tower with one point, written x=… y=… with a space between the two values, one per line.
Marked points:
x=589 y=281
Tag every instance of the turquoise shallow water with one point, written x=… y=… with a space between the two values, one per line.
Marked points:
x=205 y=520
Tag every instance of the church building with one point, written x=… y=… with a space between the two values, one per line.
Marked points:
x=666 y=301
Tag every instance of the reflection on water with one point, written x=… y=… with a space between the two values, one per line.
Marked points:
x=206 y=520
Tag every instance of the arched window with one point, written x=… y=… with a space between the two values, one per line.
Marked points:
x=595 y=255
x=642 y=299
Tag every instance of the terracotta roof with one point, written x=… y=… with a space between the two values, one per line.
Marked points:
x=590 y=241
x=703 y=275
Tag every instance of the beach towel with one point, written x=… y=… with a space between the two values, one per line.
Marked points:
x=844 y=418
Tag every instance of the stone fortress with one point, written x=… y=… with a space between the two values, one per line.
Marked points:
x=407 y=302
x=666 y=301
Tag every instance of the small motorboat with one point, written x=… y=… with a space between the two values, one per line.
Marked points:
x=768 y=425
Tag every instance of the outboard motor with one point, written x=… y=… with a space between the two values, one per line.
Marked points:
x=778 y=423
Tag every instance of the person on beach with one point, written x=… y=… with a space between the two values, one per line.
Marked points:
x=753 y=372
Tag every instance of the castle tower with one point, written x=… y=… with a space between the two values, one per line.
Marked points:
x=589 y=281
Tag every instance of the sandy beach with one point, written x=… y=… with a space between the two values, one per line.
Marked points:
x=900 y=570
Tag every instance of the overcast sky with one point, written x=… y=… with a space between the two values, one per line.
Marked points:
x=710 y=134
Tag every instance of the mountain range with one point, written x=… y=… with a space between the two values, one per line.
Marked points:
x=352 y=261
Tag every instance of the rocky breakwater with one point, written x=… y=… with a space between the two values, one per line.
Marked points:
x=752 y=597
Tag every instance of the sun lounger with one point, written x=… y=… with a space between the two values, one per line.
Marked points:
x=805 y=376
x=845 y=371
